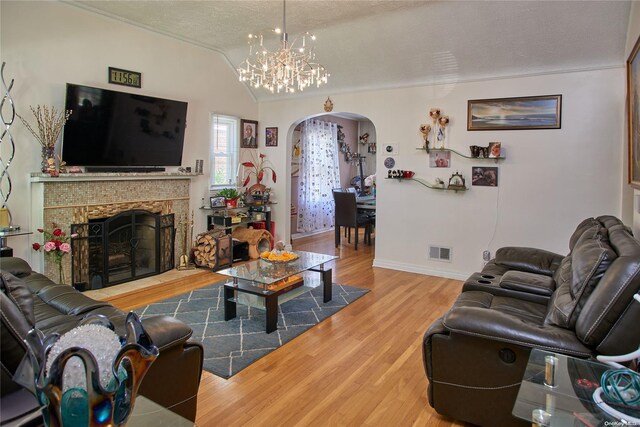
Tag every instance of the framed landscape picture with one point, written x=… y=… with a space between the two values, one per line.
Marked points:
x=271 y=137
x=527 y=112
x=633 y=94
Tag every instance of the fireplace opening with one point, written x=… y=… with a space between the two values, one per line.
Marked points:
x=124 y=247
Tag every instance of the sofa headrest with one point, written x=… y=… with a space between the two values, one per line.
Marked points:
x=16 y=266
x=581 y=228
x=611 y=222
x=19 y=294
x=610 y=316
x=578 y=275
x=606 y=221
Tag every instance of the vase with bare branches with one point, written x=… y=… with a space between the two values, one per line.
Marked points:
x=49 y=123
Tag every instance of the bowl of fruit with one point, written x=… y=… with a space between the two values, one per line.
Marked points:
x=278 y=255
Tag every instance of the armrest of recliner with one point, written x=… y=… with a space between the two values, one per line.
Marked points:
x=532 y=260
x=500 y=326
x=166 y=331
x=531 y=283
x=178 y=368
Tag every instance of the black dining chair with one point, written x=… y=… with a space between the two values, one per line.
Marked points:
x=346 y=215
x=347 y=230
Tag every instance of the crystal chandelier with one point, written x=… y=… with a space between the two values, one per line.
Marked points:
x=289 y=69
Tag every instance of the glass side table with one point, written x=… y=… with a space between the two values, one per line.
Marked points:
x=147 y=413
x=5 y=250
x=20 y=409
x=567 y=400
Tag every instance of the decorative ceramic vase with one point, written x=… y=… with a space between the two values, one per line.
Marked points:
x=97 y=405
x=47 y=153
x=232 y=203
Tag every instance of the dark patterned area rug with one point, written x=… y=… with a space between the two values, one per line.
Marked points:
x=230 y=346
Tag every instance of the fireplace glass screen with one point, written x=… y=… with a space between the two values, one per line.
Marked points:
x=124 y=247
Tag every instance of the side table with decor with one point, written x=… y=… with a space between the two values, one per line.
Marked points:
x=559 y=390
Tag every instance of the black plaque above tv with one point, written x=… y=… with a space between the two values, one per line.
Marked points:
x=116 y=131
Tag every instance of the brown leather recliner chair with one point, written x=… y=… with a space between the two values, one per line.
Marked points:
x=29 y=299
x=580 y=305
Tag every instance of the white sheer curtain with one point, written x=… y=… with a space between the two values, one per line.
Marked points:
x=319 y=175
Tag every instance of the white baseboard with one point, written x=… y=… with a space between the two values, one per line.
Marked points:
x=296 y=236
x=413 y=268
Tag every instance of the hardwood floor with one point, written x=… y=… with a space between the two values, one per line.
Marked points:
x=361 y=366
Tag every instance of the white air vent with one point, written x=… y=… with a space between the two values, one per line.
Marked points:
x=439 y=253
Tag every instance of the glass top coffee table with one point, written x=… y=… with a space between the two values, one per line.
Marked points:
x=567 y=400
x=267 y=281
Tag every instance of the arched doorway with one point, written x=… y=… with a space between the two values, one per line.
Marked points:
x=356 y=147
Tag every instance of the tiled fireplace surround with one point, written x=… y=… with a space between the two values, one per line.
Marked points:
x=67 y=200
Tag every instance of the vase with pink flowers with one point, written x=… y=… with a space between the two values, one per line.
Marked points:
x=56 y=245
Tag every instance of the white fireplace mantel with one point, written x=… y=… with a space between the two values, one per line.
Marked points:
x=73 y=198
x=110 y=176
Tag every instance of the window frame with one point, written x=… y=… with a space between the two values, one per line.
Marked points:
x=234 y=157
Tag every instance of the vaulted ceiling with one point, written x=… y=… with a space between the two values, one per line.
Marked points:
x=371 y=44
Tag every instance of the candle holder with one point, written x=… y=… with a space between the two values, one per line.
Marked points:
x=97 y=404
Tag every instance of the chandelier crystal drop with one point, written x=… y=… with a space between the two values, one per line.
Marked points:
x=288 y=69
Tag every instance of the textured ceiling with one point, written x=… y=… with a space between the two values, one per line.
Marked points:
x=380 y=44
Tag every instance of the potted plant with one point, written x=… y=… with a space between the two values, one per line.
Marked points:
x=258 y=167
x=230 y=195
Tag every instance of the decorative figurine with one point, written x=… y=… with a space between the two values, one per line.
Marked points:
x=328 y=105
x=440 y=122
x=456 y=182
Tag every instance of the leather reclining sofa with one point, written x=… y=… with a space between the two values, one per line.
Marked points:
x=29 y=299
x=581 y=305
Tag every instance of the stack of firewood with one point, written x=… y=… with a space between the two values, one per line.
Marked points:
x=205 y=250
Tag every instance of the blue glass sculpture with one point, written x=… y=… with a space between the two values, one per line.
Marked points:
x=99 y=404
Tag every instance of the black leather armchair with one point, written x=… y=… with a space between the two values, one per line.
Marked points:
x=29 y=299
x=580 y=305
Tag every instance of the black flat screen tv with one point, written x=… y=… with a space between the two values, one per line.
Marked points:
x=117 y=130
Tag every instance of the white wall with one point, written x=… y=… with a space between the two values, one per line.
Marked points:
x=551 y=180
x=49 y=44
x=631 y=199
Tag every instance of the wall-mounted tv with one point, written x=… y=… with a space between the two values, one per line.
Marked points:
x=122 y=130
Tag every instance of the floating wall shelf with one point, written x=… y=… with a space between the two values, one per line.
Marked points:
x=431 y=186
x=442 y=150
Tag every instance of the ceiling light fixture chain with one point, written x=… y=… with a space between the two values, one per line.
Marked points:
x=288 y=69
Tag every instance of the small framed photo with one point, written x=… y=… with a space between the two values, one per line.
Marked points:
x=439 y=159
x=249 y=134
x=484 y=176
x=271 y=137
x=494 y=150
x=217 y=202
